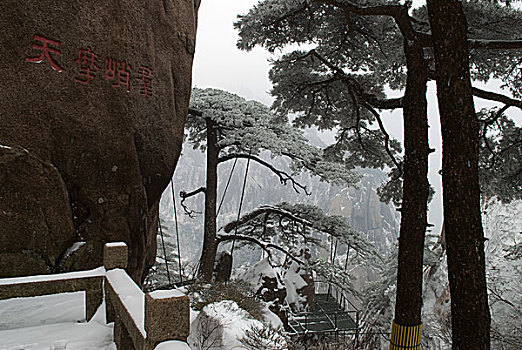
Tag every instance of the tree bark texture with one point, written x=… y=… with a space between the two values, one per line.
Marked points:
x=208 y=254
x=415 y=190
x=461 y=193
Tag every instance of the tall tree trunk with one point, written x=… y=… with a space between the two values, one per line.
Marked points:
x=208 y=254
x=470 y=316
x=415 y=190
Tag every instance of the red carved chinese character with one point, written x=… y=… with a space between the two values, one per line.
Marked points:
x=110 y=68
x=145 y=75
x=119 y=71
x=46 y=52
x=88 y=60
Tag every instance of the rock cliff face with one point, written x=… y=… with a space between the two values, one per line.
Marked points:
x=93 y=100
x=365 y=212
x=361 y=206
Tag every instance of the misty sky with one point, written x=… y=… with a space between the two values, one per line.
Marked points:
x=219 y=64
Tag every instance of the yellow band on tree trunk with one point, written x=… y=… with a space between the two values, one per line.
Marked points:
x=405 y=337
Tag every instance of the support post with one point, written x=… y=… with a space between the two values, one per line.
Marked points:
x=115 y=256
x=356 y=328
x=122 y=338
x=93 y=298
x=167 y=317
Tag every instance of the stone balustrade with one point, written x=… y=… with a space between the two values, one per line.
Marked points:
x=156 y=320
x=88 y=281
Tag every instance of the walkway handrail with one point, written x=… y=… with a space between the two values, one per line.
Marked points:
x=330 y=289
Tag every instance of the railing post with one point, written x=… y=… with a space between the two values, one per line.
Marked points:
x=93 y=298
x=115 y=256
x=122 y=338
x=356 y=328
x=336 y=328
x=167 y=317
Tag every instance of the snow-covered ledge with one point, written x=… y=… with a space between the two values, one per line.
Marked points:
x=157 y=320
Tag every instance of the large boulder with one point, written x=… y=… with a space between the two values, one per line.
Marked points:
x=93 y=100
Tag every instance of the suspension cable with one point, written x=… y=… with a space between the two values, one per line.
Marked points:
x=164 y=250
x=240 y=205
x=177 y=231
x=226 y=187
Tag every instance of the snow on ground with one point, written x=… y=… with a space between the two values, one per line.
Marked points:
x=233 y=321
x=57 y=322
x=253 y=275
x=52 y=323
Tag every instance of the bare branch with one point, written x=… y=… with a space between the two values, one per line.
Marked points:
x=493 y=96
x=380 y=103
x=495 y=44
x=478 y=44
x=284 y=177
x=386 y=137
x=184 y=195
x=266 y=246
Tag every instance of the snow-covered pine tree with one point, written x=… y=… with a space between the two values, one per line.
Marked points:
x=502 y=224
x=500 y=141
x=284 y=230
x=229 y=127
x=352 y=51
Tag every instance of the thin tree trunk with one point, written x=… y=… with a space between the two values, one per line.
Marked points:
x=461 y=194
x=415 y=190
x=208 y=254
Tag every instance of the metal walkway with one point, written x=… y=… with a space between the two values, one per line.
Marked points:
x=328 y=317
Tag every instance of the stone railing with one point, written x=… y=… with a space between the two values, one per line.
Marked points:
x=157 y=320
x=141 y=321
x=32 y=286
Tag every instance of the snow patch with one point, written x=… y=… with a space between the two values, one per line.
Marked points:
x=165 y=294
x=74 y=247
x=234 y=322
x=172 y=345
x=294 y=282
x=116 y=244
x=254 y=275
x=51 y=322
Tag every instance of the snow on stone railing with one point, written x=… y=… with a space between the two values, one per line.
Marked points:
x=31 y=286
x=172 y=345
x=154 y=321
x=157 y=320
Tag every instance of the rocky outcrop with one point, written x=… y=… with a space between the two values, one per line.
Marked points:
x=274 y=294
x=299 y=284
x=93 y=100
x=365 y=212
x=34 y=208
